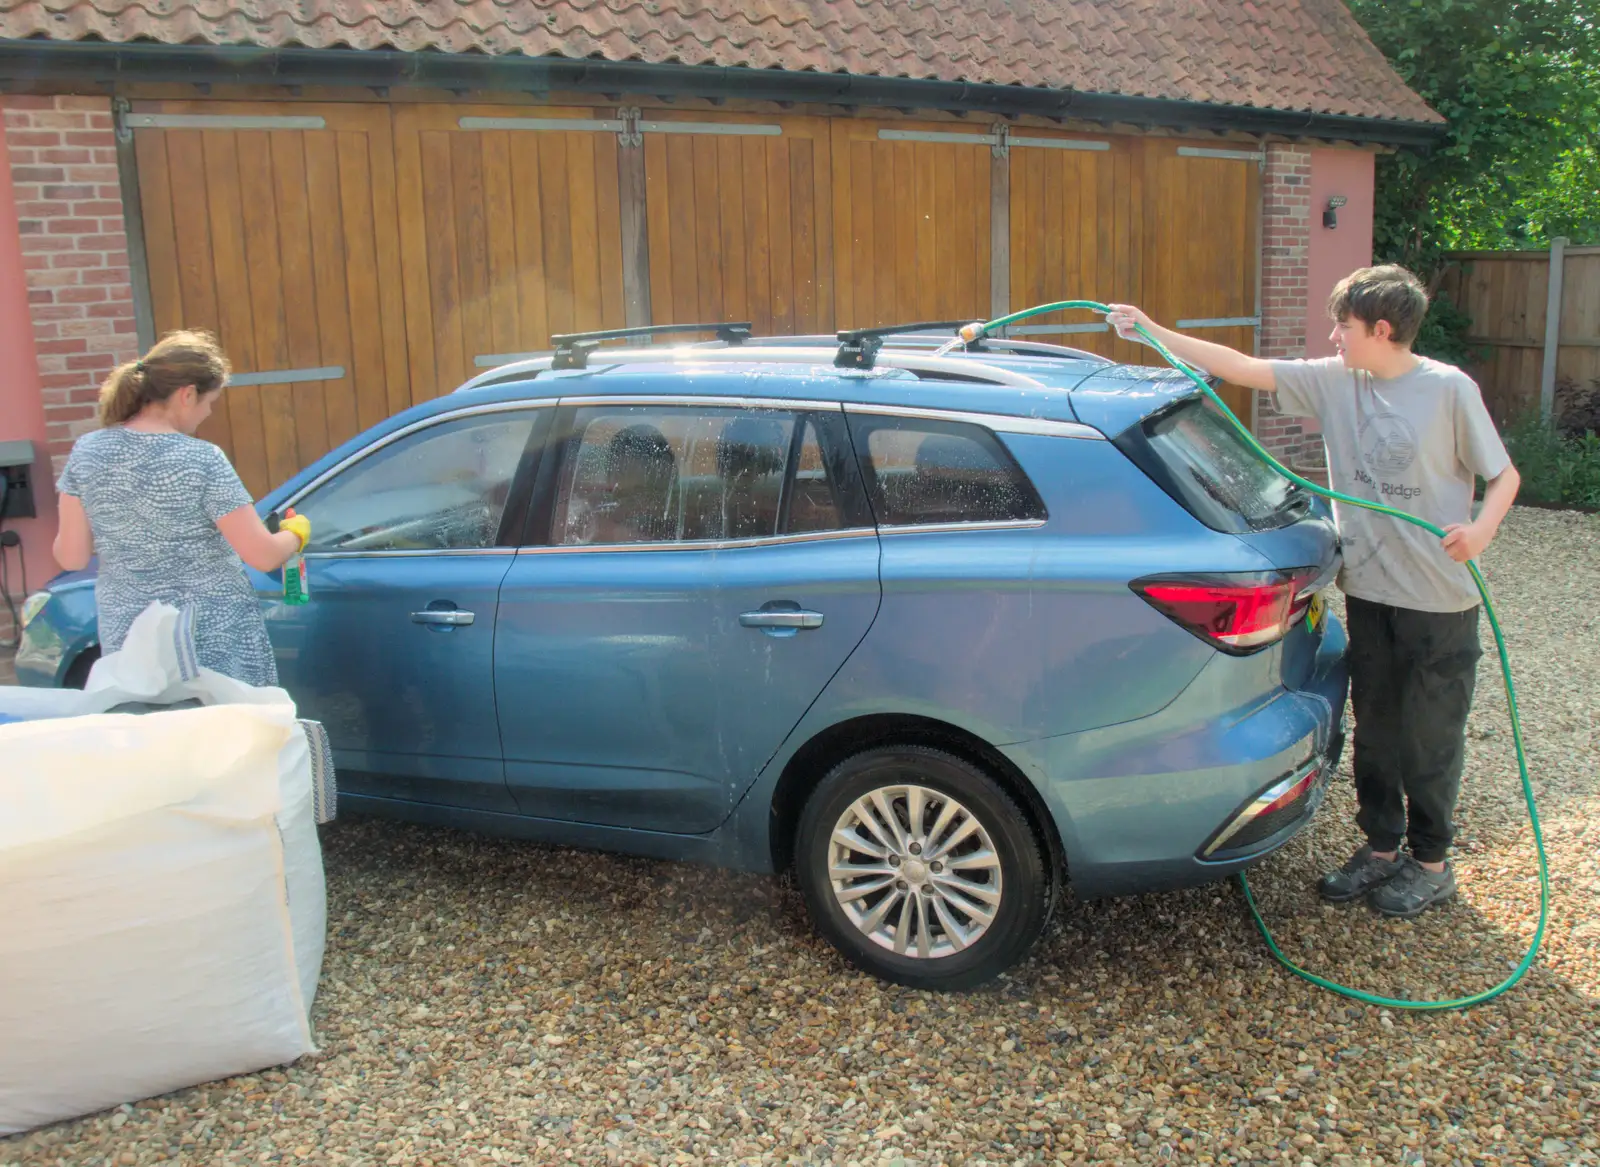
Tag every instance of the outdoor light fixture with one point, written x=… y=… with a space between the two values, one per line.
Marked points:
x=1330 y=214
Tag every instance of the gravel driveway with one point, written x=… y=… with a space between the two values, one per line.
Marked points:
x=494 y=1002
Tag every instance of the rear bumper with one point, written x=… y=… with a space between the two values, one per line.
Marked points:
x=1137 y=805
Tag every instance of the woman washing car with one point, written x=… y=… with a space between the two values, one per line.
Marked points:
x=166 y=511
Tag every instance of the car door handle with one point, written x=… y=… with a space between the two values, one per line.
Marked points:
x=768 y=618
x=454 y=618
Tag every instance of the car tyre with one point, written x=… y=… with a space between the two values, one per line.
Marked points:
x=973 y=854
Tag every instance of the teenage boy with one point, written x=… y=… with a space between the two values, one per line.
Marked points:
x=1410 y=432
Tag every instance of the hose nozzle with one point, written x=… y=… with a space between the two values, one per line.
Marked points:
x=972 y=332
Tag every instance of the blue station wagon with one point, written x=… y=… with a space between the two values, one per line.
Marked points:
x=945 y=633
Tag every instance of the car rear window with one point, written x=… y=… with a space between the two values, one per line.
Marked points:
x=1215 y=474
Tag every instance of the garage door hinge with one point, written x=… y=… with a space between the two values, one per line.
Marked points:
x=631 y=134
x=119 y=119
x=1002 y=140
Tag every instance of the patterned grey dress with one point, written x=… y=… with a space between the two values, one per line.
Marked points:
x=153 y=502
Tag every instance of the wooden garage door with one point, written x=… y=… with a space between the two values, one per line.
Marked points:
x=273 y=225
x=1201 y=209
x=910 y=223
x=1167 y=225
x=510 y=232
x=1075 y=234
x=740 y=220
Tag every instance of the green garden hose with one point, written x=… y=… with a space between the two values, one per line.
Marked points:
x=972 y=333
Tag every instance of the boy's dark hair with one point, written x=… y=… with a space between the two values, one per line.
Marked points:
x=1389 y=293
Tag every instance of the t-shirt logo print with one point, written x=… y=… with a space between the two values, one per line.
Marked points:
x=1388 y=443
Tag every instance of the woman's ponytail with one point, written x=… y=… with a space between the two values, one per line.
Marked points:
x=178 y=359
x=122 y=395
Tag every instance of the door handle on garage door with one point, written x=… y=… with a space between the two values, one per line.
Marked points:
x=781 y=618
x=453 y=618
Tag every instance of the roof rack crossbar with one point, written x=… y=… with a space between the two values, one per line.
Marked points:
x=572 y=348
x=858 y=347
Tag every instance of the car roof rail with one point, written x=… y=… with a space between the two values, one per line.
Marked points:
x=518 y=370
x=944 y=368
x=572 y=349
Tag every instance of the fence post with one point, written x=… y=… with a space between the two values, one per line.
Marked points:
x=1552 y=330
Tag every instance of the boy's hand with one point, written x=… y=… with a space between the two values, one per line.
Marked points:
x=1123 y=318
x=1466 y=541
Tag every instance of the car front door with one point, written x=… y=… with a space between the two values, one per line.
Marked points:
x=704 y=572
x=394 y=653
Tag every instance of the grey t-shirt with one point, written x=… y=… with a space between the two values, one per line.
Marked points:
x=1413 y=442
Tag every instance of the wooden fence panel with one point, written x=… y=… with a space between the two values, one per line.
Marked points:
x=1507 y=295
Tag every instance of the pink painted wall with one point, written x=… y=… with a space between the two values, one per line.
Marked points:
x=22 y=414
x=1335 y=253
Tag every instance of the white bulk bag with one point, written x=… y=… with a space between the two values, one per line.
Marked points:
x=162 y=906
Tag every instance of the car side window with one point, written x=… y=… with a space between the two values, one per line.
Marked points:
x=666 y=474
x=443 y=488
x=923 y=472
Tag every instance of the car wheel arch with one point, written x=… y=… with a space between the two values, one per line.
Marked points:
x=77 y=673
x=831 y=746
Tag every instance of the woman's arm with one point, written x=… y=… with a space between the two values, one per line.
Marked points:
x=74 y=545
x=257 y=546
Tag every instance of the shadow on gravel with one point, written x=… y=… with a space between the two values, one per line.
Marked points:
x=1156 y=953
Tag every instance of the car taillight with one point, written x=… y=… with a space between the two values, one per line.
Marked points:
x=1238 y=613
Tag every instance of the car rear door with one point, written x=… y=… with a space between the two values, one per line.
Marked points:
x=696 y=576
x=394 y=653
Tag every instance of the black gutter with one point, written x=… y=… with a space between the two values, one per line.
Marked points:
x=37 y=62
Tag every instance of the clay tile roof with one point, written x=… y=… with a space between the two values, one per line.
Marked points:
x=1301 y=55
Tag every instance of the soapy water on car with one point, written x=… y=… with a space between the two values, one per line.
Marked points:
x=975 y=332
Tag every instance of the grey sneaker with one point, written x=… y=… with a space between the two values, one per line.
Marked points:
x=1363 y=872
x=1414 y=890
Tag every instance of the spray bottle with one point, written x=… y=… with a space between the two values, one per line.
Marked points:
x=296 y=588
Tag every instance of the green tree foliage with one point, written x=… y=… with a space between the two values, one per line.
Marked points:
x=1518 y=81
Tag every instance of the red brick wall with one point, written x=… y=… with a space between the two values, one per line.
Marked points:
x=74 y=253
x=1285 y=258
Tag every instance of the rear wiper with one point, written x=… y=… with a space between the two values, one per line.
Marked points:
x=1294 y=507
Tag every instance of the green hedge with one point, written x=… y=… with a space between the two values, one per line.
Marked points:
x=1558 y=469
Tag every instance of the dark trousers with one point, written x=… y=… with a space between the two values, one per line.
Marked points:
x=1411 y=681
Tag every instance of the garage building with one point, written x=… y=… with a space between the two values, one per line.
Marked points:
x=372 y=202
